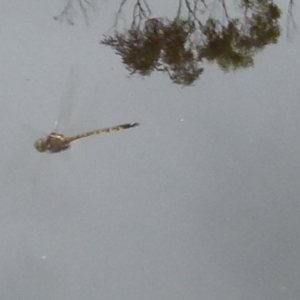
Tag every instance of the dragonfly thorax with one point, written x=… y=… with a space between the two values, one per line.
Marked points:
x=54 y=142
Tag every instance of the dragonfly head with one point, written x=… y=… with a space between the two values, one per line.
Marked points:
x=39 y=145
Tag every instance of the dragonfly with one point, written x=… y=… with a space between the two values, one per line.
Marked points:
x=57 y=142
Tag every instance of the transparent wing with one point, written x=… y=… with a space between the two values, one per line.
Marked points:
x=67 y=101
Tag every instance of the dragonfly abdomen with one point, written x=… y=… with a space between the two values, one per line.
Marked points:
x=102 y=131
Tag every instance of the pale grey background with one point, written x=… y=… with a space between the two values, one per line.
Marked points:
x=200 y=202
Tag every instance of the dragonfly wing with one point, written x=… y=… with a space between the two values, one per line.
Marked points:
x=67 y=100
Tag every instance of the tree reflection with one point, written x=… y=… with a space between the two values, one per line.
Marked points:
x=69 y=10
x=291 y=24
x=178 y=46
x=234 y=45
x=161 y=46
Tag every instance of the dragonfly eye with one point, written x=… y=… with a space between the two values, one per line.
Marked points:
x=39 y=145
